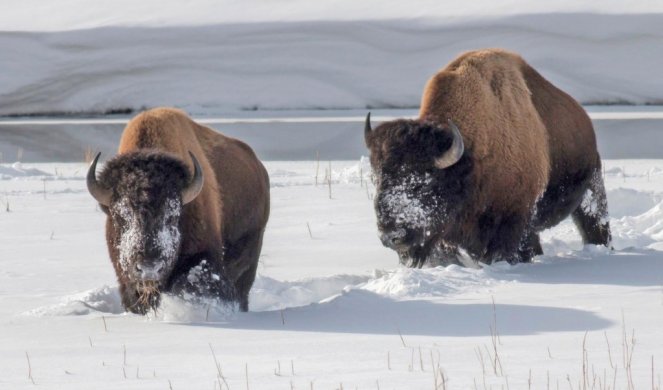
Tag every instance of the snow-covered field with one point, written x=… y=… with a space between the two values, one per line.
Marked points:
x=331 y=308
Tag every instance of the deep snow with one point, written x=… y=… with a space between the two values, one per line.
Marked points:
x=332 y=303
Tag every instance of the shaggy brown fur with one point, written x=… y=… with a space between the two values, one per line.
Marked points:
x=532 y=153
x=223 y=225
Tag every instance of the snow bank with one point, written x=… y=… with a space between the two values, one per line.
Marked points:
x=271 y=294
x=17 y=170
x=432 y=282
x=316 y=62
x=36 y=15
x=104 y=299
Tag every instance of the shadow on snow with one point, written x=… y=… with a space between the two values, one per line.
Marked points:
x=359 y=311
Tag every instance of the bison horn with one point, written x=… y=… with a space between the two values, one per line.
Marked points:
x=101 y=194
x=367 y=128
x=455 y=152
x=196 y=185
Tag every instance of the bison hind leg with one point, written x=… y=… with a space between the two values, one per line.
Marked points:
x=242 y=259
x=591 y=216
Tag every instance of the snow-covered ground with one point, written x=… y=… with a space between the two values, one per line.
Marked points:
x=76 y=56
x=330 y=308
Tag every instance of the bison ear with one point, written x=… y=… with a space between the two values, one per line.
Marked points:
x=193 y=189
x=455 y=152
x=101 y=194
x=367 y=129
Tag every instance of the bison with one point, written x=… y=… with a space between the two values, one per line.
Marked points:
x=186 y=211
x=497 y=155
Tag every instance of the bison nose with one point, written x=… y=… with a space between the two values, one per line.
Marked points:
x=149 y=271
x=393 y=239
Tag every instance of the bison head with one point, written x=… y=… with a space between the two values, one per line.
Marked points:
x=143 y=193
x=420 y=172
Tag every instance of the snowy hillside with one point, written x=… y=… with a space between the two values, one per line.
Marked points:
x=210 y=57
x=330 y=308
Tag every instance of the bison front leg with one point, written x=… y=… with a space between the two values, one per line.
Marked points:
x=204 y=279
x=530 y=246
x=591 y=216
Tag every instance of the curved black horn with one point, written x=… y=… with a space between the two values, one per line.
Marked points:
x=196 y=185
x=455 y=152
x=101 y=194
x=367 y=128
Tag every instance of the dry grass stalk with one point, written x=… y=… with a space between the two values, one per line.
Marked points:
x=479 y=355
x=246 y=374
x=421 y=361
x=149 y=293
x=529 y=380
x=317 y=166
x=329 y=181
x=219 y=373
x=627 y=351
x=584 y=363
x=401 y=336
x=609 y=351
x=29 y=368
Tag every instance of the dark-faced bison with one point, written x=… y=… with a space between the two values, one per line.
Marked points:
x=497 y=155
x=186 y=211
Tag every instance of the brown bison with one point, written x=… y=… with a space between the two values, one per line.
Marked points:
x=497 y=155
x=186 y=211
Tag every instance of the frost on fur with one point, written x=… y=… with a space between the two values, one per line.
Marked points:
x=403 y=202
x=134 y=238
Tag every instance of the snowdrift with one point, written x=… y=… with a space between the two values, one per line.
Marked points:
x=314 y=64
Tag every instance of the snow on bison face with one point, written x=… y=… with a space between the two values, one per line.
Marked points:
x=143 y=194
x=420 y=182
x=147 y=237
